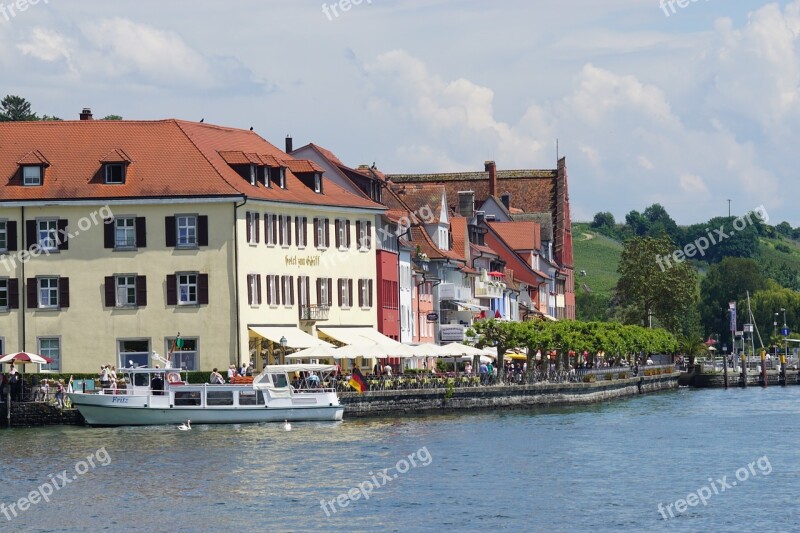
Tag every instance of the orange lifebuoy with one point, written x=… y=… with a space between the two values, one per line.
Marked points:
x=173 y=377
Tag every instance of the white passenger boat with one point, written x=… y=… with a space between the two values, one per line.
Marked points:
x=272 y=397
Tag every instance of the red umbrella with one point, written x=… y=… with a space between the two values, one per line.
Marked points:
x=497 y=274
x=25 y=357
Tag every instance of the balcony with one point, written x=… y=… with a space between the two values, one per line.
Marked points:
x=489 y=289
x=314 y=313
x=451 y=291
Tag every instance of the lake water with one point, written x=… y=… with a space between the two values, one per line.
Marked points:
x=592 y=468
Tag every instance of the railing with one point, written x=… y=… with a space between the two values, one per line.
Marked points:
x=486 y=289
x=451 y=291
x=314 y=312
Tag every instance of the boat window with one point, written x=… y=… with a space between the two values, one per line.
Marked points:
x=187 y=398
x=279 y=380
x=141 y=380
x=219 y=397
x=247 y=397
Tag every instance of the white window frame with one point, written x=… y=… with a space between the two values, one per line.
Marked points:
x=124 y=282
x=364 y=237
x=324 y=288
x=253 y=175
x=44 y=287
x=190 y=224
x=6 y=307
x=252 y=286
x=322 y=235
x=252 y=223
x=271 y=221
x=28 y=180
x=284 y=225
x=187 y=284
x=47 y=353
x=341 y=232
x=301 y=223
x=168 y=344
x=122 y=359
x=318 y=183
x=274 y=289
x=107 y=173
x=344 y=288
x=47 y=244
x=129 y=229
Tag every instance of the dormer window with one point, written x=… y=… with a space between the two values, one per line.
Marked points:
x=31 y=175
x=318 y=183
x=253 y=174
x=114 y=173
x=278 y=176
x=267 y=181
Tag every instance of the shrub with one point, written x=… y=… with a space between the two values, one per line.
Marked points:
x=589 y=378
x=609 y=376
x=623 y=375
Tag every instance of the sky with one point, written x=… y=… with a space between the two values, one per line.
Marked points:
x=649 y=102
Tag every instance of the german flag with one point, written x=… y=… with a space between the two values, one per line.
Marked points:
x=357 y=380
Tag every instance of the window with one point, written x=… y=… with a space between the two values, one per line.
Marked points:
x=31 y=175
x=278 y=176
x=254 y=289
x=187 y=289
x=4 y=300
x=133 y=353
x=253 y=228
x=125 y=232
x=321 y=233
x=287 y=290
x=3 y=235
x=318 y=183
x=345 y=292
x=187 y=398
x=114 y=173
x=126 y=291
x=364 y=231
x=47 y=234
x=342 y=234
x=365 y=293
x=219 y=398
x=248 y=397
x=253 y=175
x=285 y=230
x=273 y=290
x=51 y=347
x=303 y=292
x=48 y=293
x=301 y=231
x=266 y=177
x=271 y=229
x=187 y=230
x=185 y=357
x=324 y=293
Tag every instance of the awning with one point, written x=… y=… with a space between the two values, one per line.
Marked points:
x=548 y=317
x=295 y=337
x=358 y=335
x=471 y=307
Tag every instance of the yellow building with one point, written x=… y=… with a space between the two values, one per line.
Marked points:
x=117 y=236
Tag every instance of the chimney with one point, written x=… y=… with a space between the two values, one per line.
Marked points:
x=506 y=198
x=86 y=114
x=491 y=168
x=466 y=204
x=288 y=144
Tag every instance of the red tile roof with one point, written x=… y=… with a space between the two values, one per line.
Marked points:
x=519 y=235
x=423 y=201
x=460 y=239
x=168 y=158
x=420 y=237
x=116 y=156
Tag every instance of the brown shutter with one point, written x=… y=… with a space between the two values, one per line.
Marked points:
x=202 y=289
x=111 y=291
x=369 y=293
x=30 y=233
x=350 y=292
x=269 y=289
x=361 y=293
x=319 y=292
x=62 y=237
x=281 y=229
x=339 y=291
x=249 y=288
x=305 y=230
x=141 y=291
x=202 y=230
x=347 y=239
x=13 y=293
x=141 y=232
x=32 y=293
x=169 y=229
x=257 y=225
x=11 y=236
x=327 y=234
x=316 y=236
x=258 y=288
x=63 y=293
x=330 y=296
x=360 y=243
x=274 y=229
x=289 y=231
x=291 y=289
x=297 y=230
x=172 y=289
x=249 y=218
x=336 y=227
x=108 y=233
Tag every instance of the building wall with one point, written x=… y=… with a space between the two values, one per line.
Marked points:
x=387 y=284
x=406 y=309
x=88 y=330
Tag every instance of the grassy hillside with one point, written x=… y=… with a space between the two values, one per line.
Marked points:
x=598 y=256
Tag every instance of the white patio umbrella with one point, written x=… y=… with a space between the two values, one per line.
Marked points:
x=321 y=351
x=373 y=351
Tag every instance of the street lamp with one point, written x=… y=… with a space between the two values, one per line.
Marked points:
x=775 y=332
x=283 y=342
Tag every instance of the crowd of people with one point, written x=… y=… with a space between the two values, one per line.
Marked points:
x=13 y=387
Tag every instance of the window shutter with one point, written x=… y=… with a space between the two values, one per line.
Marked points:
x=274 y=229
x=282 y=229
x=369 y=293
x=202 y=289
x=369 y=236
x=172 y=289
x=319 y=292
x=32 y=293
x=360 y=243
x=141 y=232
x=63 y=241
x=291 y=289
x=249 y=289
x=141 y=291
x=339 y=291
x=169 y=229
x=347 y=239
x=327 y=234
x=288 y=231
x=269 y=290
x=258 y=288
x=350 y=292
x=63 y=293
x=13 y=293
x=257 y=225
x=111 y=292
x=30 y=233
x=202 y=230
x=305 y=230
x=249 y=218
x=330 y=296
x=361 y=293
x=337 y=227
x=297 y=230
x=316 y=237
x=108 y=234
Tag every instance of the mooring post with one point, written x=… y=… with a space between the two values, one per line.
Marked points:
x=763 y=368
x=725 y=369
x=782 y=378
x=744 y=370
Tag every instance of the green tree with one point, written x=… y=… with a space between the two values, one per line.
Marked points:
x=603 y=220
x=16 y=109
x=660 y=223
x=728 y=281
x=723 y=237
x=784 y=228
x=112 y=117
x=592 y=307
x=637 y=223
x=649 y=284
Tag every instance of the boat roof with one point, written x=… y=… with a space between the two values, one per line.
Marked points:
x=298 y=367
